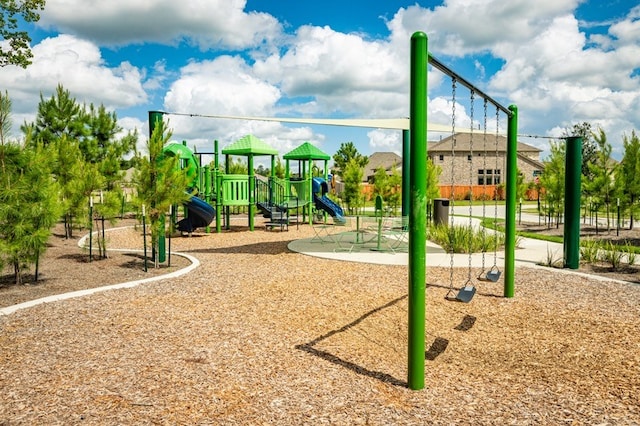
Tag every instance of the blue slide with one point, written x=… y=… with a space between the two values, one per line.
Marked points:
x=334 y=210
x=199 y=215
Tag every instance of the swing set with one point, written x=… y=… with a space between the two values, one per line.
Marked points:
x=417 y=150
x=467 y=291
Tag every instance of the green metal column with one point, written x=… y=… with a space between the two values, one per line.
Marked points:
x=252 y=190
x=207 y=189
x=155 y=119
x=572 y=185
x=406 y=152
x=218 y=186
x=510 y=219
x=417 y=210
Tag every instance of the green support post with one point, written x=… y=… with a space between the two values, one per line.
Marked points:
x=252 y=189
x=572 y=185
x=510 y=219
x=417 y=210
x=207 y=190
x=218 y=184
x=406 y=196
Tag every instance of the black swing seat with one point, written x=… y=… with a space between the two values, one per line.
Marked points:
x=465 y=294
x=493 y=275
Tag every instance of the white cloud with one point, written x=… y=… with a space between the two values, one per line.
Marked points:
x=205 y=23
x=226 y=86
x=79 y=67
x=385 y=141
x=343 y=72
x=460 y=27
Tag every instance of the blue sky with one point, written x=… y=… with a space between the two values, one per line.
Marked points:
x=561 y=62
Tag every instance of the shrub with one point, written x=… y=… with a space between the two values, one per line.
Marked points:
x=611 y=255
x=465 y=239
x=589 y=251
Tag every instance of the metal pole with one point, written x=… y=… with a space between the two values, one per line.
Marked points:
x=417 y=209
x=252 y=189
x=144 y=237
x=218 y=184
x=572 y=184
x=90 y=228
x=618 y=220
x=510 y=219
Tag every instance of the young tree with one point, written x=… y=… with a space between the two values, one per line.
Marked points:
x=16 y=50
x=344 y=155
x=629 y=174
x=601 y=186
x=95 y=131
x=160 y=183
x=552 y=180
x=28 y=205
x=352 y=178
x=280 y=169
x=102 y=145
x=77 y=180
x=61 y=115
x=389 y=187
x=433 y=181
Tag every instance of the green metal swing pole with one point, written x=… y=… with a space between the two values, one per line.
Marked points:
x=572 y=184
x=417 y=210
x=510 y=219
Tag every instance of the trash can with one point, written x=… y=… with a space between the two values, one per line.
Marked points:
x=441 y=211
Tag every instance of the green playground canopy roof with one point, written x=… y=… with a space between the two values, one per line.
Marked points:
x=306 y=151
x=249 y=145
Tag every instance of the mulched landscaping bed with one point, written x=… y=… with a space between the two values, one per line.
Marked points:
x=261 y=335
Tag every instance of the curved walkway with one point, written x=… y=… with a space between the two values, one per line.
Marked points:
x=57 y=297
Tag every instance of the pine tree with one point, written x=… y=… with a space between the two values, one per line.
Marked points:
x=601 y=186
x=59 y=116
x=629 y=176
x=160 y=183
x=552 y=180
x=28 y=205
x=344 y=155
x=352 y=178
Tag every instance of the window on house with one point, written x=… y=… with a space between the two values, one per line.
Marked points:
x=441 y=157
x=469 y=157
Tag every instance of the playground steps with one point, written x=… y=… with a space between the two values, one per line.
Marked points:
x=277 y=219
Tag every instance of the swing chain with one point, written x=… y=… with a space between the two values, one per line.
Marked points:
x=495 y=208
x=484 y=179
x=472 y=101
x=451 y=194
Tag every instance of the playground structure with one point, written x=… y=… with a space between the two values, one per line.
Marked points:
x=215 y=192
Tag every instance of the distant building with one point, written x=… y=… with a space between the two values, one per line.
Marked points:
x=386 y=160
x=480 y=161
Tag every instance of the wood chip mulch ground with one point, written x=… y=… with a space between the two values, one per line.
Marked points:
x=261 y=335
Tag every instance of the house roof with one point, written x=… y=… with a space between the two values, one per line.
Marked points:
x=387 y=160
x=306 y=151
x=465 y=142
x=249 y=145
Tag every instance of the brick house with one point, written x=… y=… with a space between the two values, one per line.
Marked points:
x=478 y=164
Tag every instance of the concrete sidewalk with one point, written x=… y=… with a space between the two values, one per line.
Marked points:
x=528 y=252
